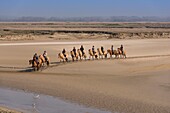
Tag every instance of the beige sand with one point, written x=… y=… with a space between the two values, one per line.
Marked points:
x=132 y=85
x=7 y=110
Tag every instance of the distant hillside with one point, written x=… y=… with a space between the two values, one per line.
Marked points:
x=87 y=19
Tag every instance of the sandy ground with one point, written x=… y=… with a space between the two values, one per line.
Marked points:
x=6 y=110
x=138 y=84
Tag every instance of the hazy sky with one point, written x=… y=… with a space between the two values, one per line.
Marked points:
x=79 y=8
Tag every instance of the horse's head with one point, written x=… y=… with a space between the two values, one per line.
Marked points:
x=108 y=51
x=72 y=53
x=40 y=56
x=79 y=52
x=90 y=52
x=30 y=62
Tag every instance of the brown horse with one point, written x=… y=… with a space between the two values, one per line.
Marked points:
x=102 y=54
x=110 y=52
x=93 y=54
x=47 y=60
x=122 y=54
x=81 y=55
x=42 y=58
x=74 y=56
x=36 y=64
x=62 y=57
x=39 y=64
x=115 y=52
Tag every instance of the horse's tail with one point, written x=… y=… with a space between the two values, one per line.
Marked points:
x=124 y=53
x=85 y=56
x=59 y=55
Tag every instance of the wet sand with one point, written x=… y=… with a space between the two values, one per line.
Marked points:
x=27 y=102
x=137 y=84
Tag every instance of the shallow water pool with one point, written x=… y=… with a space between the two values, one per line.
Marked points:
x=35 y=103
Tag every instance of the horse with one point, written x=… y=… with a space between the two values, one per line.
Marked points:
x=42 y=58
x=114 y=52
x=121 y=53
x=81 y=55
x=102 y=53
x=110 y=52
x=39 y=63
x=62 y=57
x=36 y=64
x=93 y=54
x=45 y=60
x=74 y=56
x=31 y=62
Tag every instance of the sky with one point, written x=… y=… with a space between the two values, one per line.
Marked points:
x=84 y=8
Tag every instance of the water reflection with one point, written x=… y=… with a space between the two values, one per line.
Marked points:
x=35 y=103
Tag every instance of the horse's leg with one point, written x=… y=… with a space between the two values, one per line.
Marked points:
x=66 y=59
x=124 y=55
x=96 y=56
x=73 y=59
x=43 y=63
x=115 y=55
x=32 y=63
x=93 y=57
x=37 y=66
x=77 y=58
x=84 y=57
x=48 y=63
x=34 y=68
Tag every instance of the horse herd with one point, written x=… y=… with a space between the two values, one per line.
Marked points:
x=79 y=55
x=92 y=55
